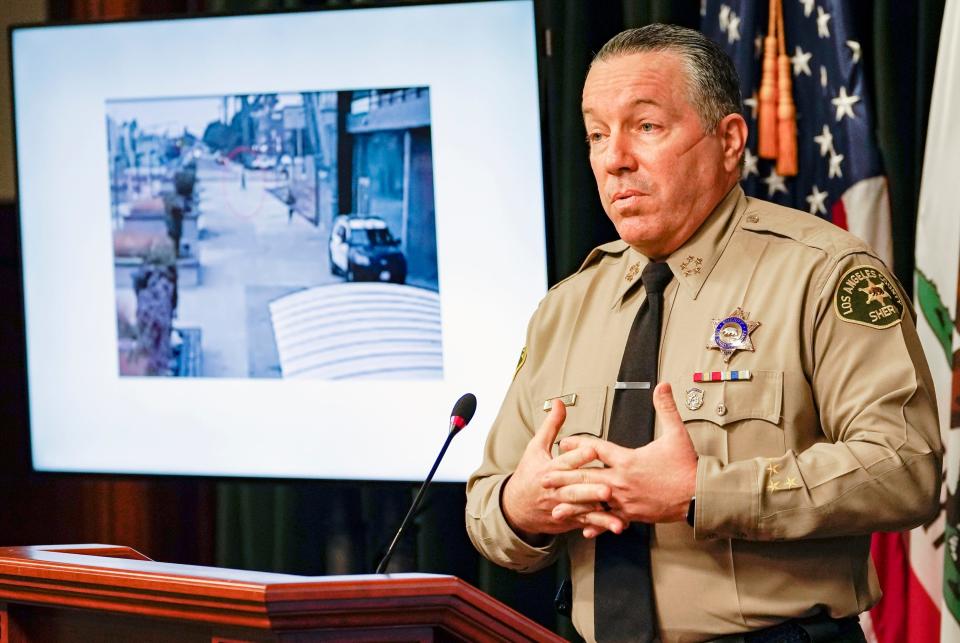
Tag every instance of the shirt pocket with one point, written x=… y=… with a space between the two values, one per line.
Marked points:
x=724 y=403
x=586 y=411
x=736 y=420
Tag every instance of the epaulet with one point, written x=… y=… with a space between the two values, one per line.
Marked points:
x=617 y=247
x=765 y=217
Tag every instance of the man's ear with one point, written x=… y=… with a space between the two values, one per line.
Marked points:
x=732 y=130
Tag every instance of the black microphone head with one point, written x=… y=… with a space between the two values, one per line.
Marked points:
x=463 y=411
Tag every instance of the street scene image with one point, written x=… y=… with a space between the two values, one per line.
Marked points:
x=284 y=235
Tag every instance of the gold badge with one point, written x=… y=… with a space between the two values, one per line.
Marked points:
x=632 y=271
x=691 y=266
x=732 y=333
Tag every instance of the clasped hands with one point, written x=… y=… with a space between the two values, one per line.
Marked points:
x=552 y=495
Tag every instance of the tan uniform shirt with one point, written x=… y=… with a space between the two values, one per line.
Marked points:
x=834 y=436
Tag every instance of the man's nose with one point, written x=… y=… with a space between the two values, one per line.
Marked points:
x=620 y=156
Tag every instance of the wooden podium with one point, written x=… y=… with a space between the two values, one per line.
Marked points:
x=108 y=593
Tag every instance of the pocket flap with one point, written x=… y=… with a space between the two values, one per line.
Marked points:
x=722 y=403
x=585 y=410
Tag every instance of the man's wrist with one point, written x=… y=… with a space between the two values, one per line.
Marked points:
x=531 y=538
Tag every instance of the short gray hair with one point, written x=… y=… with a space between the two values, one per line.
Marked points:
x=713 y=83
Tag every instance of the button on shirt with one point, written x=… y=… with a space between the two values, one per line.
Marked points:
x=833 y=435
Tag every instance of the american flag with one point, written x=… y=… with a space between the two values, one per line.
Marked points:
x=840 y=174
x=841 y=179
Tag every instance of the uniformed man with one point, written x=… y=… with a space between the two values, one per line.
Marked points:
x=795 y=413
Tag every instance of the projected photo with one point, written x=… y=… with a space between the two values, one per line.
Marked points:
x=282 y=235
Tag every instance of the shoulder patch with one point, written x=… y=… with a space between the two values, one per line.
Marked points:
x=867 y=297
x=520 y=362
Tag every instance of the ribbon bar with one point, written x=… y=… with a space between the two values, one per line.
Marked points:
x=721 y=376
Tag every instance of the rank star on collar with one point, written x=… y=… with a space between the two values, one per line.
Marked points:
x=691 y=266
x=732 y=333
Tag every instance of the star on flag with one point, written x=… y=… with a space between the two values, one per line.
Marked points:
x=775 y=183
x=854 y=50
x=801 y=62
x=844 y=103
x=729 y=23
x=822 y=19
x=752 y=104
x=835 y=160
x=749 y=163
x=816 y=200
x=825 y=140
x=733 y=29
x=724 y=17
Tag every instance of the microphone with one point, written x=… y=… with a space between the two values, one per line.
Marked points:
x=460 y=416
x=462 y=413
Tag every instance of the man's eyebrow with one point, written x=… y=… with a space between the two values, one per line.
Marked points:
x=638 y=101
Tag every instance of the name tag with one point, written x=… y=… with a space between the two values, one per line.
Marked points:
x=631 y=386
x=568 y=400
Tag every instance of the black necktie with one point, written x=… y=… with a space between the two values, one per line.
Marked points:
x=623 y=593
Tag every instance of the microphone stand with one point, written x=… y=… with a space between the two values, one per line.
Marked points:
x=416 y=501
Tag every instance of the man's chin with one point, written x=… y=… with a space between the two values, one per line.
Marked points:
x=644 y=240
x=635 y=232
